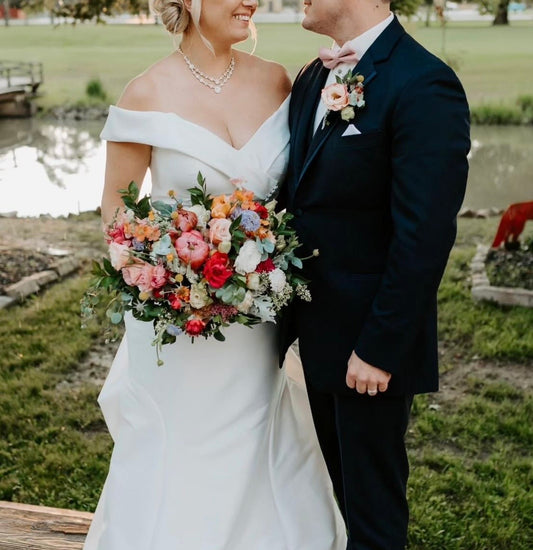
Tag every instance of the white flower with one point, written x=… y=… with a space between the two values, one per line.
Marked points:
x=202 y=214
x=248 y=258
x=277 y=280
x=224 y=247
x=198 y=297
x=253 y=281
x=118 y=254
x=247 y=303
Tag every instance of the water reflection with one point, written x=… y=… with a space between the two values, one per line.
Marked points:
x=501 y=166
x=57 y=168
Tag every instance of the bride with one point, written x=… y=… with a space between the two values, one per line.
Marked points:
x=214 y=450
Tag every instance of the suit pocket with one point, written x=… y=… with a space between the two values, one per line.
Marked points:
x=361 y=141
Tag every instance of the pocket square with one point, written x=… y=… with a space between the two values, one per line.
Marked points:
x=351 y=130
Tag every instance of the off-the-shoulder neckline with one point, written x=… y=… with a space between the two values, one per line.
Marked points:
x=203 y=128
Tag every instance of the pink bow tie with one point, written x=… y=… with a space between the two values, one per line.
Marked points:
x=331 y=58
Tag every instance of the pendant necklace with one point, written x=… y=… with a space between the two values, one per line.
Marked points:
x=215 y=84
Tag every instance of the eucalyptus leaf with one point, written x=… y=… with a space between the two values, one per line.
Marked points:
x=116 y=317
x=163 y=207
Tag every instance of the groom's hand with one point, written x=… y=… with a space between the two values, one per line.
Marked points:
x=365 y=378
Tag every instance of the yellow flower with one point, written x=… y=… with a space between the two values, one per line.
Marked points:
x=171 y=193
x=151 y=215
x=174 y=215
x=144 y=296
x=360 y=78
x=179 y=278
x=170 y=257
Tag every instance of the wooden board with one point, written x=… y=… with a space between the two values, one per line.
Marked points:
x=27 y=527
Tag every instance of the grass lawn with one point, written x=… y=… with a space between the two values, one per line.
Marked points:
x=494 y=63
x=470 y=445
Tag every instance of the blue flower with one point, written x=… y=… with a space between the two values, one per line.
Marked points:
x=173 y=330
x=250 y=220
x=236 y=213
x=137 y=245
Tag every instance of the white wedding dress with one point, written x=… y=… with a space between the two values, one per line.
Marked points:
x=214 y=450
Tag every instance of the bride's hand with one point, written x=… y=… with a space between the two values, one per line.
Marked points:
x=365 y=378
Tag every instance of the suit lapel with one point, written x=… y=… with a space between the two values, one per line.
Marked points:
x=302 y=129
x=378 y=52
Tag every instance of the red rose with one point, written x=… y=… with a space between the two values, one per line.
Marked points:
x=217 y=270
x=174 y=301
x=261 y=211
x=266 y=267
x=195 y=327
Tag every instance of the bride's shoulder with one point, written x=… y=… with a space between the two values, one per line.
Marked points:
x=142 y=92
x=267 y=72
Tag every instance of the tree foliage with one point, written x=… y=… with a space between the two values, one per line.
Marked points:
x=405 y=7
x=498 y=8
x=85 y=10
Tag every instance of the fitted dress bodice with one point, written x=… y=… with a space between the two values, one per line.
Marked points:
x=181 y=149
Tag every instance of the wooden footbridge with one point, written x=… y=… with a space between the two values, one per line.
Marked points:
x=19 y=84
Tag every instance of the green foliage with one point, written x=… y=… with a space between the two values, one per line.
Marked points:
x=498 y=115
x=405 y=7
x=95 y=90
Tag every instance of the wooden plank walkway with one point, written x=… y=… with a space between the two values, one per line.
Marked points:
x=27 y=527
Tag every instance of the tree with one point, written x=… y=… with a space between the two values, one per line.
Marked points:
x=405 y=7
x=6 y=12
x=86 y=10
x=497 y=7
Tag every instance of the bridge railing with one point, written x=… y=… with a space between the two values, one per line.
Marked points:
x=14 y=73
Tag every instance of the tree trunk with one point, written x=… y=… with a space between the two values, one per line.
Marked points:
x=501 y=17
x=6 y=13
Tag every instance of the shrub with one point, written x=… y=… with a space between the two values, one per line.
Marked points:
x=95 y=89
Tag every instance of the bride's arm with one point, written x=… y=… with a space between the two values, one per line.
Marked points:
x=126 y=162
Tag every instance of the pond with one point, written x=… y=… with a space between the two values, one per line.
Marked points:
x=57 y=168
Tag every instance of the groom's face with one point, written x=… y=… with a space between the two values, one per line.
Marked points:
x=323 y=16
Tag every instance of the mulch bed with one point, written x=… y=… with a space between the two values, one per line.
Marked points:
x=511 y=268
x=18 y=263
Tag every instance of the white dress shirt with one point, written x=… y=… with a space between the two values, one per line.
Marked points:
x=360 y=44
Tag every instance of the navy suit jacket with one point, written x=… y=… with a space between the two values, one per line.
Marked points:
x=381 y=208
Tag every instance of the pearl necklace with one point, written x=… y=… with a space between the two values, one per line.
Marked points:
x=215 y=84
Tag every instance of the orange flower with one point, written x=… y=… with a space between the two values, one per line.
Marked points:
x=246 y=198
x=221 y=207
x=143 y=232
x=183 y=293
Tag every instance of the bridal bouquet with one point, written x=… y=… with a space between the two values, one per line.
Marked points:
x=195 y=269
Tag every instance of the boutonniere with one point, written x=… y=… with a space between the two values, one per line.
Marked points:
x=346 y=95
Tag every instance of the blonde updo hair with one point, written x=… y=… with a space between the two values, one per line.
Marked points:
x=174 y=15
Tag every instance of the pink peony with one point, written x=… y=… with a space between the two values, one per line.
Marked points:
x=335 y=96
x=192 y=249
x=186 y=220
x=116 y=234
x=144 y=276
x=219 y=230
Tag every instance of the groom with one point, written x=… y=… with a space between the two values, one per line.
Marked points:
x=377 y=193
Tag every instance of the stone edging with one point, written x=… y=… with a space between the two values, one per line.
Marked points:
x=482 y=289
x=34 y=283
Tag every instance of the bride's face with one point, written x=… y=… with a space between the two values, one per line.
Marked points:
x=226 y=20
